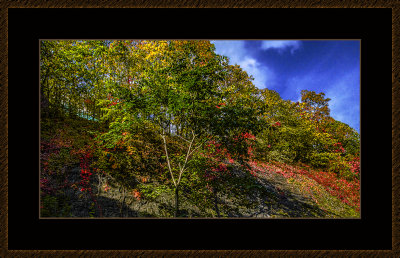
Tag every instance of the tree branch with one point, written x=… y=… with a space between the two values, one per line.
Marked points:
x=198 y=147
x=187 y=156
x=166 y=153
x=183 y=138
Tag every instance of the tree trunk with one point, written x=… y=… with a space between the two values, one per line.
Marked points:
x=176 y=202
x=123 y=201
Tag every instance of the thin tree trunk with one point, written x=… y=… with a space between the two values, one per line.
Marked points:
x=123 y=201
x=99 y=185
x=182 y=168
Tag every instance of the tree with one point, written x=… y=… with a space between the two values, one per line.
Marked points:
x=178 y=92
x=72 y=76
x=315 y=104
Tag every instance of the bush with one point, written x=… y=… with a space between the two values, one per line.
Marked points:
x=323 y=160
x=280 y=156
x=348 y=170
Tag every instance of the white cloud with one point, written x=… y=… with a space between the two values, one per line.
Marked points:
x=236 y=52
x=234 y=49
x=344 y=91
x=249 y=62
x=281 y=45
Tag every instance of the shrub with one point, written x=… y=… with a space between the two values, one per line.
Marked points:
x=348 y=170
x=322 y=160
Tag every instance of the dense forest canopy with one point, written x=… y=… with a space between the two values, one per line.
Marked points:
x=172 y=115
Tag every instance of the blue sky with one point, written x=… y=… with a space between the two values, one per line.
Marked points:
x=289 y=66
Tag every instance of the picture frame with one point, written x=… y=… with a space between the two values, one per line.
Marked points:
x=281 y=237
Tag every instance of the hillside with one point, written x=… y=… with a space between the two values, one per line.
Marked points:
x=133 y=128
x=276 y=190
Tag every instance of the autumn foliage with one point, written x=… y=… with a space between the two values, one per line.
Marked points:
x=172 y=117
